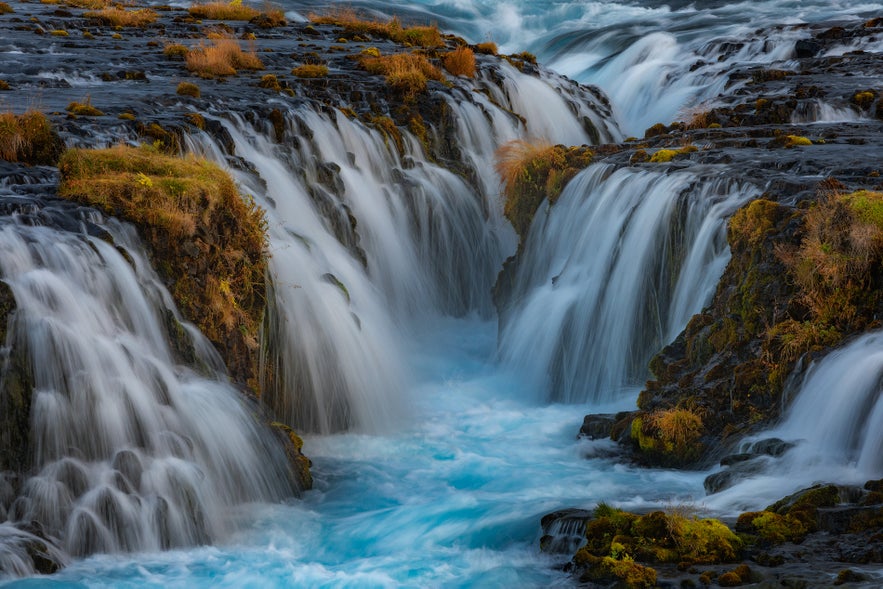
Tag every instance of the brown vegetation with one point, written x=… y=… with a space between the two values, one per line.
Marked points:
x=120 y=17
x=175 y=51
x=205 y=239
x=310 y=70
x=407 y=73
x=487 y=48
x=188 y=89
x=223 y=57
x=28 y=138
x=349 y=20
x=460 y=62
x=532 y=171
x=5 y=8
x=235 y=10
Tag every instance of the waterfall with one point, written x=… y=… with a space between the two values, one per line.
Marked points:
x=369 y=236
x=612 y=273
x=125 y=449
x=833 y=424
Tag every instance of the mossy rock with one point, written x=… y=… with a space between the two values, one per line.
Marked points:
x=206 y=242
x=16 y=389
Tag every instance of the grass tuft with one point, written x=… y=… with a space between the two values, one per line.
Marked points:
x=5 y=8
x=352 y=23
x=223 y=57
x=310 y=70
x=188 y=89
x=29 y=138
x=84 y=109
x=407 y=73
x=120 y=17
x=223 y=11
x=460 y=62
x=487 y=48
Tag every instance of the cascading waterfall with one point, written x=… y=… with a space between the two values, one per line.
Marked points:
x=833 y=422
x=367 y=240
x=653 y=59
x=612 y=272
x=128 y=450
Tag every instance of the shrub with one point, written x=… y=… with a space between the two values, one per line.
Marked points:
x=222 y=58
x=679 y=429
x=270 y=82
x=310 y=70
x=487 y=48
x=407 y=73
x=188 y=89
x=84 y=109
x=5 y=8
x=29 y=138
x=175 y=51
x=218 y=279
x=120 y=17
x=348 y=19
x=234 y=10
x=460 y=62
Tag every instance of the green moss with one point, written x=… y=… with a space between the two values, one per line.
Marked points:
x=867 y=206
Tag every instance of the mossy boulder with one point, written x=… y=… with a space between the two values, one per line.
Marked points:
x=16 y=388
x=800 y=280
x=207 y=242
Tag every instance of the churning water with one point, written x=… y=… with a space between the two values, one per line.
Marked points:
x=439 y=438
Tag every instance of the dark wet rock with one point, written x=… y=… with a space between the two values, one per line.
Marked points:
x=598 y=426
x=564 y=531
x=807 y=48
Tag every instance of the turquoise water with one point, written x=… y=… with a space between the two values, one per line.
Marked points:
x=453 y=499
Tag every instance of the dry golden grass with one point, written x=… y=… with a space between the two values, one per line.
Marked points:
x=310 y=70
x=223 y=57
x=188 y=89
x=513 y=158
x=178 y=200
x=28 y=138
x=223 y=11
x=678 y=427
x=487 y=48
x=120 y=17
x=88 y=4
x=407 y=73
x=420 y=36
x=175 y=51
x=460 y=62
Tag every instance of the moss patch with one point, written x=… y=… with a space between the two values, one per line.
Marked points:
x=205 y=240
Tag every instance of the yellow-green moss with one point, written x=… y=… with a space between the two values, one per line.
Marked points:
x=207 y=241
x=796 y=141
x=188 y=89
x=84 y=109
x=666 y=155
x=310 y=70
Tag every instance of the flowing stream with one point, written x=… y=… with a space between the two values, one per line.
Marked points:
x=439 y=432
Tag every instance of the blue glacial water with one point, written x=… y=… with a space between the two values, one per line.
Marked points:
x=452 y=499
